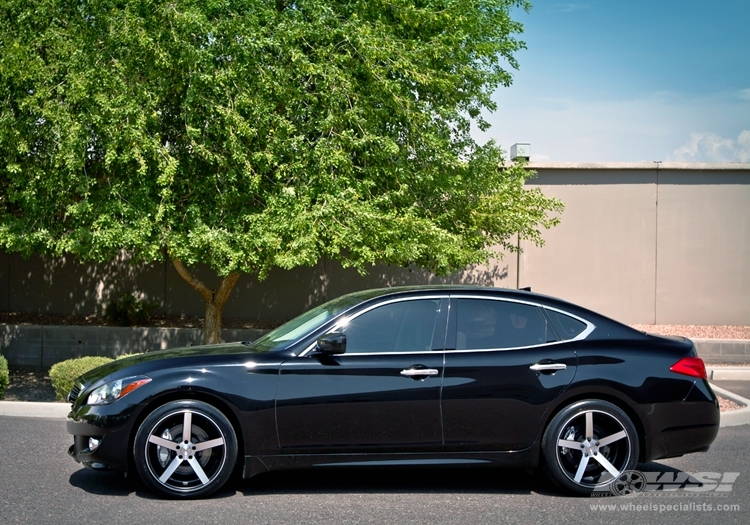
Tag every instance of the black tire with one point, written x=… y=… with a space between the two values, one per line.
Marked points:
x=587 y=445
x=180 y=466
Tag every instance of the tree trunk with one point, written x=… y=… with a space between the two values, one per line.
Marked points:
x=215 y=300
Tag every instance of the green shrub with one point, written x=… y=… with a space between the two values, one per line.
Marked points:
x=64 y=373
x=4 y=376
x=129 y=311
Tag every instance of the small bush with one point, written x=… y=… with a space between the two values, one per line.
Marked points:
x=64 y=373
x=129 y=311
x=4 y=376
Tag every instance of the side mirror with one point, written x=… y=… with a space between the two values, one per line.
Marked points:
x=333 y=343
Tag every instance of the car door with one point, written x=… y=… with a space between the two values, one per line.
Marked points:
x=504 y=366
x=382 y=395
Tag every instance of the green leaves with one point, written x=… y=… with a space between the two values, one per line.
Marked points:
x=253 y=134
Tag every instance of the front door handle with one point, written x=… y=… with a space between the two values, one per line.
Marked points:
x=418 y=372
x=547 y=367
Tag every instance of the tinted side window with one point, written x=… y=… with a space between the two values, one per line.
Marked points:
x=405 y=326
x=485 y=324
x=569 y=326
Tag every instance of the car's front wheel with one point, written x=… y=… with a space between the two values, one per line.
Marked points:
x=589 y=444
x=185 y=449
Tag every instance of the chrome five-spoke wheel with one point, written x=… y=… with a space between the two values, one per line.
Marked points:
x=589 y=444
x=185 y=449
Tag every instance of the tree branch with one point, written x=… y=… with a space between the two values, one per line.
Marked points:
x=225 y=288
x=193 y=281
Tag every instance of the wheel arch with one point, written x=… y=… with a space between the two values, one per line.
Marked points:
x=619 y=402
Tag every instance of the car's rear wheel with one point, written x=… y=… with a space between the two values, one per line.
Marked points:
x=185 y=449
x=589 y=444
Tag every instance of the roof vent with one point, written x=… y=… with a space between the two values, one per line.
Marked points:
x=520 y=151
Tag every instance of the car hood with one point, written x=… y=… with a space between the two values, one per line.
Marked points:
x=161 y=355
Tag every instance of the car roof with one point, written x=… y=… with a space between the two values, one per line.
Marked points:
x=525 y=295
x=506 y=293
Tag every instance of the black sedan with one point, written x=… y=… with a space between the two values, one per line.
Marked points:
x=434 y=376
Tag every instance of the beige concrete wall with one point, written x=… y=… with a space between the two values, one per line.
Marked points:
x=646 y=245
x=637 y=243
x=703 y=257
x=602 y=254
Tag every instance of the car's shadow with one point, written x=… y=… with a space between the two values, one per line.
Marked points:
x=109 y=483
x=339 y=481
x=361 y=481
x=379 y=481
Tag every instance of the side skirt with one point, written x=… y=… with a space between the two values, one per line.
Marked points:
x=516 y=459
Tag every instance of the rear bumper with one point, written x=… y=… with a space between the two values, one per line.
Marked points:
x=683 y=427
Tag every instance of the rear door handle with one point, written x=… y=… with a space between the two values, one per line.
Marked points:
x=539 y=367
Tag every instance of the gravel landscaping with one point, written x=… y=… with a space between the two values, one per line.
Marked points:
x=696 y=332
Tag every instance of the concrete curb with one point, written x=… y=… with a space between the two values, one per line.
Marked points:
x=34 y=409
x=733 y=418
x=728 y=373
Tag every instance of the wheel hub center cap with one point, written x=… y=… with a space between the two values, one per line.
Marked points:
x=590 y=447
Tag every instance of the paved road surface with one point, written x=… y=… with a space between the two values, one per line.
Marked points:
x=40 y=484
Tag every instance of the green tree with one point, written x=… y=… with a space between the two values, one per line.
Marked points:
x=253 y=134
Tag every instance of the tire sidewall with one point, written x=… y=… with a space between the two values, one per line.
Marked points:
x=144 y=431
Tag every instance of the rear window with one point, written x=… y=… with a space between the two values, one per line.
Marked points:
x=569 y=326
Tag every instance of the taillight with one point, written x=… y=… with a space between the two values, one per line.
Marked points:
x=690 y=366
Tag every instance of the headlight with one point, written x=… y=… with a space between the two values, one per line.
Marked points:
x=114 y=390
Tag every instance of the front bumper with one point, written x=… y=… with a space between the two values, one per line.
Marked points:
x=111 y=425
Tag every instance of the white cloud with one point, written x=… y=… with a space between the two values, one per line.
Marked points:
x=744 y=94
x=743 y=146
x=711 y=147
x=564 y=125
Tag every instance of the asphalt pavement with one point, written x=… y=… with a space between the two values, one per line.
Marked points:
x=40 y=484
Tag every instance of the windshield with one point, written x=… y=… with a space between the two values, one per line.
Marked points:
x=289 y=332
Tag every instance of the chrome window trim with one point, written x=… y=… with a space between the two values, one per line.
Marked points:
x=346 y=319
x=543 y=345
x=426 y=352
x=590 y=327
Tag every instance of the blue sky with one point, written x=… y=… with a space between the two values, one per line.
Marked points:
x=630 y=80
